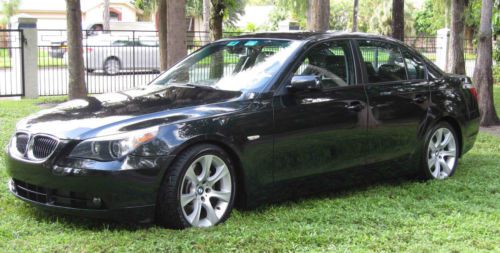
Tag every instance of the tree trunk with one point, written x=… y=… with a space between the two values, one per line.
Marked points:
x=216 y=17
x=206 y=22
x=398 y=19
x=162 y=32
x=217 y=14
x=105 y=16
x=77 y=88
x=483 y=76
x=318 y=15
x=447 y=12
x=456 y=57
x=355 y=16
x=172 y=32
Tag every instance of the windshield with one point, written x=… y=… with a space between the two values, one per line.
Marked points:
x=235 y=65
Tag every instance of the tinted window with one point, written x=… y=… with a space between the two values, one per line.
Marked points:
x=383 y=61
x=331 y=62
x=414 y=66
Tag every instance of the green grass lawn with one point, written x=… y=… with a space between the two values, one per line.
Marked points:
x=461 y=214
x=44 y=60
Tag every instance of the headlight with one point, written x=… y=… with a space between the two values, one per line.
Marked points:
x=113 y=147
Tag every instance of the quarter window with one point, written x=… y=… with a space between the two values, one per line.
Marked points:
x=331 y=62
x=383 y=61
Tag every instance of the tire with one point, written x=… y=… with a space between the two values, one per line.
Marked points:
x=208 y=200
x=111 y=66
x=440 y=152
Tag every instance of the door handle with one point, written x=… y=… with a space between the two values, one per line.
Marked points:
x=420 y=98
x=355 y=106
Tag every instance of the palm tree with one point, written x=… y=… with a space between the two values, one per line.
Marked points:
x=171 y=32
x=398 y=19
x=355 y=16
x=456 y=57
x=77 y=88
x=318 y=15
x=483 y=74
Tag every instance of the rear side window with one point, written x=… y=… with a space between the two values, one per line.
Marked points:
x=414 y=66
x=383 y=61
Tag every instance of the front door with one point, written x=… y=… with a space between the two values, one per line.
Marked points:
x=320 y=131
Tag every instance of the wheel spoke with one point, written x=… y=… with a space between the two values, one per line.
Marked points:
x=187 y=198
x=222 y=195
x=444 y=165
x=221 y=172
x=211 y=215
x=448 y=153
x=206 y=163
x=437 y=169
x=194 y=217
x=439 y=137
x=431 y=162
x=446 y=140
x=191 y=175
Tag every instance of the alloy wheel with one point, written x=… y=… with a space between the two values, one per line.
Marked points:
x=112 y=66
x=441 y=153
x=206 y=191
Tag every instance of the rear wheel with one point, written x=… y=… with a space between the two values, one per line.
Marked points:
x=198 y=190
x=111 y=66
x=440 y=152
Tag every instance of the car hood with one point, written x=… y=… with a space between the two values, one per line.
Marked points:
x=113 y=113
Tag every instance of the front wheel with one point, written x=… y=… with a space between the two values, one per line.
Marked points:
x=198 y=190
x=441 y=152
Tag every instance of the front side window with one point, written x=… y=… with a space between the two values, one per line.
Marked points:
x=383 y=61
x=236 y=65
x=331 y=62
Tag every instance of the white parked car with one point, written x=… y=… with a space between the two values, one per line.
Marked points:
x=115 y=54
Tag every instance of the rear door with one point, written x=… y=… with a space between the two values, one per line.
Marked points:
x=321 y=131
x=398 y=96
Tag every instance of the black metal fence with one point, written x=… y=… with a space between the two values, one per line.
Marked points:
x=117 y=60
x=11 y=63
x=114 y=60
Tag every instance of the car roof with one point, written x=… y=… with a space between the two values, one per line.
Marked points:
x=315 y=36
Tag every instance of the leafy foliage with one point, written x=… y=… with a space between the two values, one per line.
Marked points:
x=9 y=8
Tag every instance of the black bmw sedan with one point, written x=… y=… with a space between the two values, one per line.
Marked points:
x=242 y=120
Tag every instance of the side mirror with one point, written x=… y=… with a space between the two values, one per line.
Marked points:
x=301 y=83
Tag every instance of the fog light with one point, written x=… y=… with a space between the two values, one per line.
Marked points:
x=96 y=201
x=12 y=186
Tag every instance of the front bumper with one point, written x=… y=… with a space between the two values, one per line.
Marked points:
x=121 y=191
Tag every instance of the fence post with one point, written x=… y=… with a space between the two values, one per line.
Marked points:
x=30 y=55
x=442 y=48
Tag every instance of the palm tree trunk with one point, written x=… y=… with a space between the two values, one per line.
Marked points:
x=318 y=15
x=355 y=16
x=456 y=58
x=206 y=21
x=77 y=88
x=162 y=33
x=483 y=75
x=172 y=32
x=398 y=19
x=216 y=17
